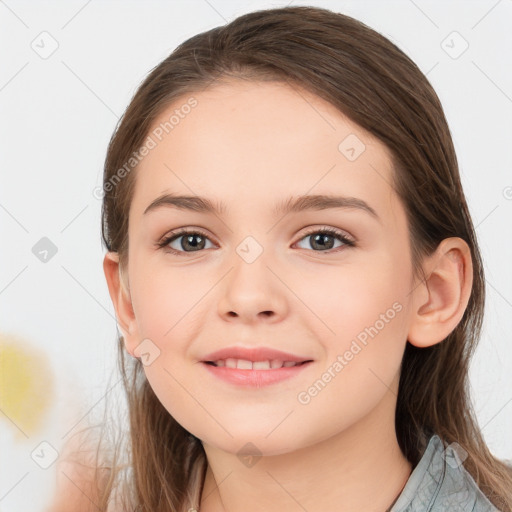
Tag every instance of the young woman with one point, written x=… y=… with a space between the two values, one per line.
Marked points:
x=297 y=280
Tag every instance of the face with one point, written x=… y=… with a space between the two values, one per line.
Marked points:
x=256 y=275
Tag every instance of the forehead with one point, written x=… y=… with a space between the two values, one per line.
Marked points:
x=259 y=142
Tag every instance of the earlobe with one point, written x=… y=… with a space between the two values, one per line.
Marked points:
x=440 y=301
x=120 y=296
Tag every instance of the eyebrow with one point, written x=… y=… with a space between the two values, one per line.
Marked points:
x=290 y=205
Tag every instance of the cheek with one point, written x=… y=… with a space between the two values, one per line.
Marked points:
x=363 y=332
x=166 y=304
x=363 y=310
x=163 y=299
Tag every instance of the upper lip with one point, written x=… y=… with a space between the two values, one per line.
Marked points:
x=253 y=354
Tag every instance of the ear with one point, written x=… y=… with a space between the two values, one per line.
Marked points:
x=120 y=295
x=439 y=301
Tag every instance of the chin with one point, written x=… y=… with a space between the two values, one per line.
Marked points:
x=254 y=444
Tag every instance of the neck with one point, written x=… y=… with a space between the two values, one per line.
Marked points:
x=361 y=469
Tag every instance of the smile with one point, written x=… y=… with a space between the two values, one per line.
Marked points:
x=244 y=364
x=256 y=374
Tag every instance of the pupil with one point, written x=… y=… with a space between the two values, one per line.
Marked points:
x=320 y=239
x=189 y=239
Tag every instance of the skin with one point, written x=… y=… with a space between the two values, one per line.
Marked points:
x=252 y=145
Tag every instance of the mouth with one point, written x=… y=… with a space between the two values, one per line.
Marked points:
x=244 y=364
x=255 y=374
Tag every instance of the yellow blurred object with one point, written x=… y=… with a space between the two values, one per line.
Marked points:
x=26 y=386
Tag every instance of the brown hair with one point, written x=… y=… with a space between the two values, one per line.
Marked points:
x=371 y=81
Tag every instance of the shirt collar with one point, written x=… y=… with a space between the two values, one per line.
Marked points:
x=441 y=482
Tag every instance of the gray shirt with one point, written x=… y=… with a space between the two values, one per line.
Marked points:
x=440 y=482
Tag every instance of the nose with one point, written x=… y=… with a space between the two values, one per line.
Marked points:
x=252 y=292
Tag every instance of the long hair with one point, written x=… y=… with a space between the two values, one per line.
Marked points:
x=372 y=82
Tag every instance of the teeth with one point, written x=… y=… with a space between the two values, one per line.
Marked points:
x=243 y=364
x=230 y=363
x=261 y=365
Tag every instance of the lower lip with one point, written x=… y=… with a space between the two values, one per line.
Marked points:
x=255 y=378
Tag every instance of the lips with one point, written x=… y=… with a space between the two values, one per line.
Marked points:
x=245 y=358
x=254 y=367
x=244 y=364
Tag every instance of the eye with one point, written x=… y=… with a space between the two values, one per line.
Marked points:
x=325 y=237
x=193 y=240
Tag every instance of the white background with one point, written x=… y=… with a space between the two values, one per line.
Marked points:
x=57 y=116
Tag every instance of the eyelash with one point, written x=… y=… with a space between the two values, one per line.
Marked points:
x=164 y=243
